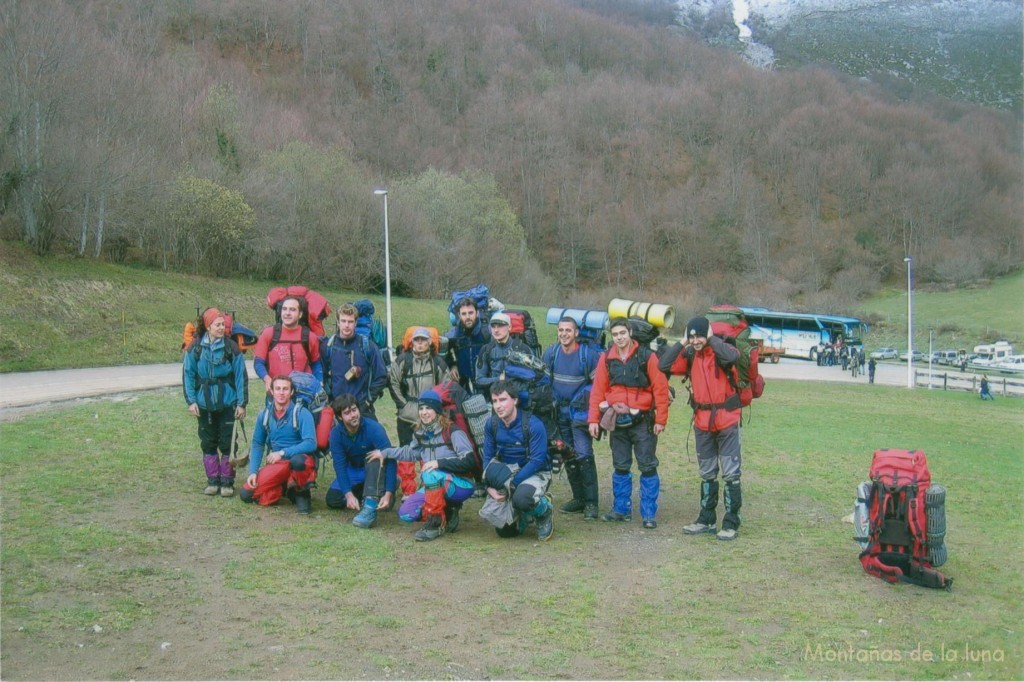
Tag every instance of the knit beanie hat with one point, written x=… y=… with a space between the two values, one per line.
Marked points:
x=698 y=326
x=431 y=399
x=210 y=315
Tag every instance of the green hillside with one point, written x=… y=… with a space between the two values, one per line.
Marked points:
x=66 y=312
x=961 y=318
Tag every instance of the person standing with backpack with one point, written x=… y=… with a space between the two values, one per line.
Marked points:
x=352 y=363
x=465 y=339
x=416 y=370
x=709 y=362
x=216 y=386
x=493 y=358
x=287 y=346
x=572 y=366
x=630 y=399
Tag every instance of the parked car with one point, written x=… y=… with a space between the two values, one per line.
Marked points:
x=946 y=357
x=915 y=354
x=885 y=354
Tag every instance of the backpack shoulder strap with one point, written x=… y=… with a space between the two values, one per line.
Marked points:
x=406 y=358
x=275 y=337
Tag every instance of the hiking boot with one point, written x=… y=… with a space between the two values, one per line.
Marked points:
x=428 y=533
x=227 y=490
x=573 y=506
x=698 y=528
x=211 y=489
x=303 y=503
x=545 y=526
x=727 y=534
x=431 y=530
x=650 y=524
x=453 y=519
x=367 y=516
x=616 y=516
x=590 y=512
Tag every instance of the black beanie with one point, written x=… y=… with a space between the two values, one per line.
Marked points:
x=698 y=326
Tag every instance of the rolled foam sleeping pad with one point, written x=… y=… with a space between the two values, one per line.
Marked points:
x=585 y=319
x=658 y=314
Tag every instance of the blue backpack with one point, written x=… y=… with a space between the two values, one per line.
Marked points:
x=480 y=295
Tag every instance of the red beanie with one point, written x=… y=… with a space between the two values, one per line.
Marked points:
x=210 y=315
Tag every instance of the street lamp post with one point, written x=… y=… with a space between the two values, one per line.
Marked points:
x=931 y=355
x=381 y=192
x=910 y=322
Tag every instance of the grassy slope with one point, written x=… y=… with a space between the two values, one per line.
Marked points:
x=961 y=318
x=92 y=314
x=96 y=314
x=603 y=601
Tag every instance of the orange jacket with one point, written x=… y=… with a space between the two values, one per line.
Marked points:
x=654 y=396
x=709 y=385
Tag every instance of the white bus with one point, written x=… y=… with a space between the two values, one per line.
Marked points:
x=801 y=334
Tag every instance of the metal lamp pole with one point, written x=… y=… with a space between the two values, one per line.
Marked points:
x=387 y=268
x=910 y=322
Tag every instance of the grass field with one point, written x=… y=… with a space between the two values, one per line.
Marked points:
x=115 y=566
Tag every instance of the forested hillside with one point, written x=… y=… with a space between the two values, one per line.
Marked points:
x=543 y=145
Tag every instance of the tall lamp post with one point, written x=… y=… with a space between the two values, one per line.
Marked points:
x=910 y=322
x=381 y=192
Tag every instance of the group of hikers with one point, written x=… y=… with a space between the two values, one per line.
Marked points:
x=851 y=358
x=622 y=393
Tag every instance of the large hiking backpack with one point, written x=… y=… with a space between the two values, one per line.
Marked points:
x=369 y=326
x=642 y=330
x=480 y=295
x=900 y=520
x=522 y=327
x=193 y=331
x=469 y=412
x=729 y=323
x=314 y=307
x=438 y=341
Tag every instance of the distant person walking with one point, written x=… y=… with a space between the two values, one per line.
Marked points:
x=986 y=391
x=872 y=366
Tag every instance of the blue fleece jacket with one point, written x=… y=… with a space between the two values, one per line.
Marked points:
x=506 y=443
x=293 y=436
x=348 y=451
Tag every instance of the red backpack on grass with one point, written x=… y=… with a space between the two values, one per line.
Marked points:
x=902 y=520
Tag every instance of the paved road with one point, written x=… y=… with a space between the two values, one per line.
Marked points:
x=25 y=389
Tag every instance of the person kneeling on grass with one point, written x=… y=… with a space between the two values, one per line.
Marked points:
x=359 y=480
x=516 y=445
x=448 y=465
x=290 y=470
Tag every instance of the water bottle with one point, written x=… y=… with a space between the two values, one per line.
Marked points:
x=935 y=510
x=861 y=515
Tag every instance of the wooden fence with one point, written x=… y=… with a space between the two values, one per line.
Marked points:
x=956 y=381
